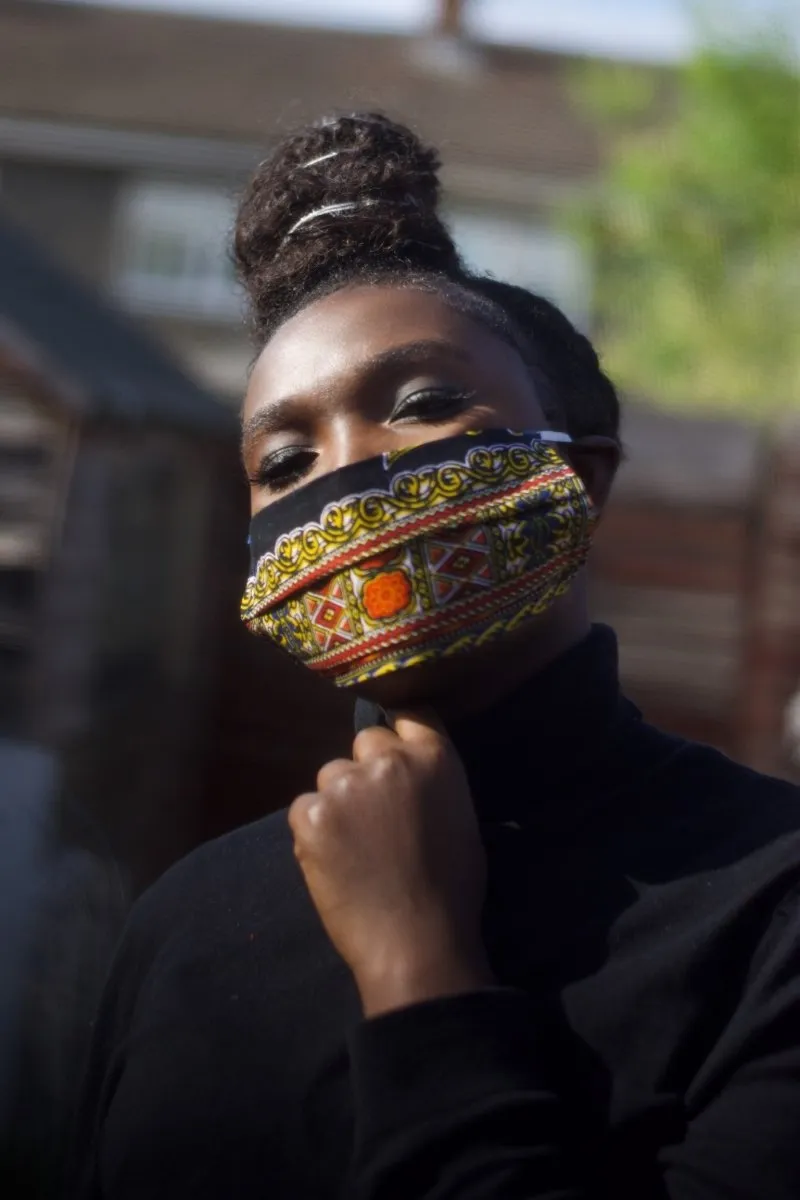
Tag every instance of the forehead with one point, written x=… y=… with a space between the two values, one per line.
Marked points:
x=335 y=336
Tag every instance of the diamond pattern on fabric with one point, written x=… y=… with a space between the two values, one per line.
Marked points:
x=330 y=620
x=459 y=564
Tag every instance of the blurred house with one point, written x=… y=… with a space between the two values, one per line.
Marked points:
x=125 y=136
x=112 y=465
x=136 y=715
x=119 y=513
x=123 y=521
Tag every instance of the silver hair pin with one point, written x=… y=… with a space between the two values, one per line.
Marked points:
x=312 y=162
x=345 y=206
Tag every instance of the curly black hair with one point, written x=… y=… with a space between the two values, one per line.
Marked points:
x=379 y=187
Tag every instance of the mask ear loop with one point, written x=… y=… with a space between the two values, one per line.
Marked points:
x=368 y=715
x=552 y=435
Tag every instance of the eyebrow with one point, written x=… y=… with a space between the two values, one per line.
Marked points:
x=274 y=417
x=271 y=418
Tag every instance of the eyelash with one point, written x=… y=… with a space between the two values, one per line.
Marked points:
x=299 y=459
x=295 y=460
x=450 y=401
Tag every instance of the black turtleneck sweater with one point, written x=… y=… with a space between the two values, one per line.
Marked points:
x=643 y=1042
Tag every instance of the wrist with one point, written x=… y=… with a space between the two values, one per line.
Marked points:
x=409 y=980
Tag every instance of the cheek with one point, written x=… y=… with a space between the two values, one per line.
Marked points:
x=257 y=501
x=516 y=410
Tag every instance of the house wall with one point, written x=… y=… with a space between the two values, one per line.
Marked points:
x=219 y=356
x=132 y=636
x=122 y=638
x=82 y=213
x=699 y=573
x=69 y=209
x=74 y=211
x=35 y=445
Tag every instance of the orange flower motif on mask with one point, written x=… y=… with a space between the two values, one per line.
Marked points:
x=386 y=595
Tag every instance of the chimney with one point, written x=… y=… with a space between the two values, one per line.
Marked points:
x=450 y=18
x=447 y=49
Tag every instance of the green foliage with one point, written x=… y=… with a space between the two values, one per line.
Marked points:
x=694 y=228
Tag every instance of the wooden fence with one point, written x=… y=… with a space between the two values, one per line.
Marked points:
x=698 y=568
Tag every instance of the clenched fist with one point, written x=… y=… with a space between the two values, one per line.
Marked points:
x=391 y=853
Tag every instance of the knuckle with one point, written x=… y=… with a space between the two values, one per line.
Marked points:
x=331 y=773
x=364 y=741
x=387 y=766
x=341 y=786
x=299 y=812
x=439 y=757
x=370 y=744
x=312 y=818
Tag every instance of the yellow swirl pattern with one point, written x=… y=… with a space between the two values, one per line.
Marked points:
x=483 y=476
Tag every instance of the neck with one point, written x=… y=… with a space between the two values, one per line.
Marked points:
x=548 y=731
x=506 y=674
x=504 y=667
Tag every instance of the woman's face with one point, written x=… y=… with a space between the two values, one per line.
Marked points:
x=371 y=369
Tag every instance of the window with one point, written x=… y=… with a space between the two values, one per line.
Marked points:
x=173 y=251
x=531 y=255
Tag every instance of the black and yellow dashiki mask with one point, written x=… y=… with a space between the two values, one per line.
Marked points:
x=418 y=554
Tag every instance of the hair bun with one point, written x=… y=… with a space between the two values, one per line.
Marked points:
x=366 y=153
x=348 y=195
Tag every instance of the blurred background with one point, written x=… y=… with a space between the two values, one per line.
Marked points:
x=637 y=161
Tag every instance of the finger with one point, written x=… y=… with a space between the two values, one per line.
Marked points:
x=333 y=771
x=303 y=813
x=370 y=743
x=421 y=727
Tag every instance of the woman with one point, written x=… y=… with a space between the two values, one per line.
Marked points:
x=520 y=944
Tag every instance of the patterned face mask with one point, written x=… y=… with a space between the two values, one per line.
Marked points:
x=418 y=554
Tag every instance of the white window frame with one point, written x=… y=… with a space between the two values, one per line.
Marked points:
x=190 y=222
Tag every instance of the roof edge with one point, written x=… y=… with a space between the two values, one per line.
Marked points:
x=29 y=360
x=35 y=138
x=112 y=147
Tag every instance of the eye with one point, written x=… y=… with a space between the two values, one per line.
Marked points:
x=282 y=468
x=432 y=404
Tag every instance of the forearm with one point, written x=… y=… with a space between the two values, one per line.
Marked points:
x=452 y=1100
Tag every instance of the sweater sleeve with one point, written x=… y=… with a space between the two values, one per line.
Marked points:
x=453 y=1102
x=104 y=1064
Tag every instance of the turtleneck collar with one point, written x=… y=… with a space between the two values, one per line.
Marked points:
x=545 y=738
